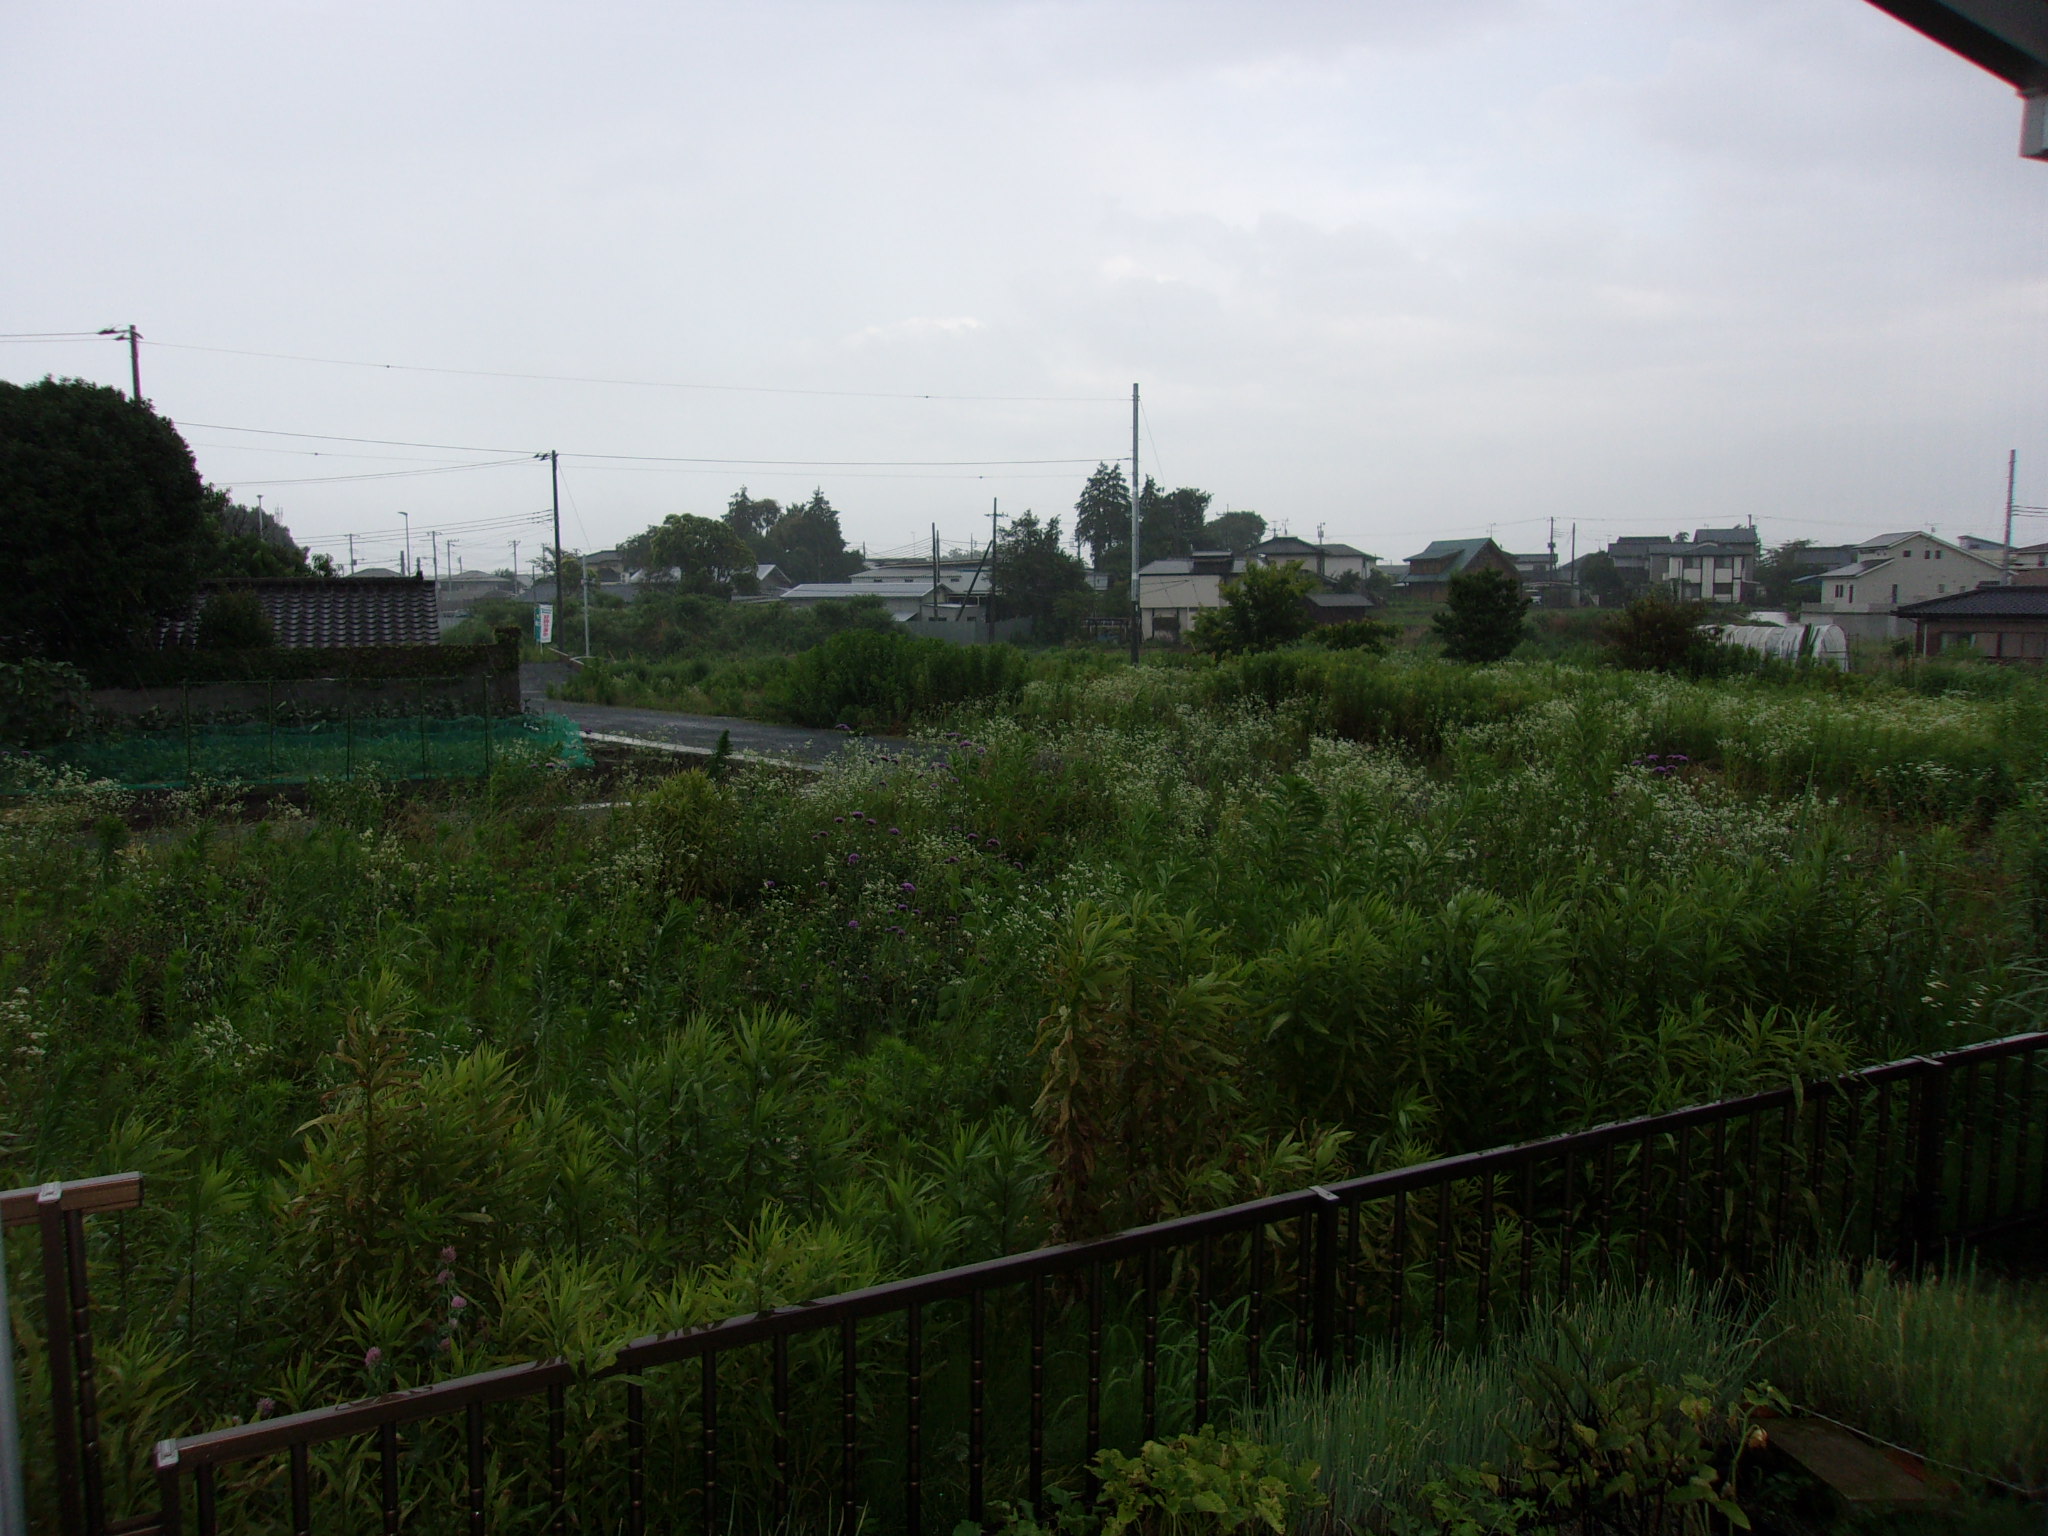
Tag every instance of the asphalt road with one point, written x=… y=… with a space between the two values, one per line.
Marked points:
x=660 y=728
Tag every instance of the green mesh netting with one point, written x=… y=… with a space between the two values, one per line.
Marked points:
x=254 y=752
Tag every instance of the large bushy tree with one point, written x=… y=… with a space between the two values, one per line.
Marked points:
x=751 y=517
x=1779 y=573
x=1035 y=577
x=1170 y=522
x=700 y=554
x=807 y=543
x=1484 y=616
x=1235 y=531
x=104 y=530
x=1261 y=609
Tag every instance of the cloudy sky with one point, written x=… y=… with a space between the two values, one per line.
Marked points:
x=1401 y=270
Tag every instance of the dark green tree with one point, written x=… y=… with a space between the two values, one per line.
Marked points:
x=1483 y=616
x=234 y=620
x=700 y=554
x=103 y=520
x=1261 y=609
x=248 y=541
x=1235 y=531
x=751 y=518
x=1170 y=522
x=807 y=543
x=1605 y=582
x=1102 y=518
x=1034 y=576
x=1779 y=573
x=1659 y=633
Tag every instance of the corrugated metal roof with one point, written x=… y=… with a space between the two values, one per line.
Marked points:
x=1982 y=603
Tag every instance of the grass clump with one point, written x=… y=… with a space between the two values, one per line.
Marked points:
x=1954 y=1366
x=1401 y=1428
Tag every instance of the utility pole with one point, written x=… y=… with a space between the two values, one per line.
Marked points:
x=1137 y=613
x=1575 y=565
x=994 y=502
x=1319 y=551
x=132 y=337
x=2012 y=475
x=586 y=607
x=405 y=565
x=555 y=487
x=351 y=554
x=935 y=570
x=515 y=565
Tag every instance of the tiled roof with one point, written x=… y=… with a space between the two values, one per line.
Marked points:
x=815 y=589
x=1983 y=603
x=1341 y=602
x=317 y=612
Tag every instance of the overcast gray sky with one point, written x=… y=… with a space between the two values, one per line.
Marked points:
x=1406 y=270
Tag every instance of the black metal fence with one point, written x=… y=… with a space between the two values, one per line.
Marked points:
x=911 y=1405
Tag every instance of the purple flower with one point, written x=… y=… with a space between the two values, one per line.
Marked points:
x=853 y=922
x=769 y=883
x=447 y=1255
x=952 y=858
x=265 y=1405
x=853 y=858
x=446 y=1346
x=838 y=820
x=993 y=842
x=373 y=1357
x=456 y=1303
x=444 y=1277
x=906 y=886
x=893 y=832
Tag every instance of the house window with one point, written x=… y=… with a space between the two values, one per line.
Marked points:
x=1895 y=592
x=1838 y=589
x=1941 y=586
x=1937 y=554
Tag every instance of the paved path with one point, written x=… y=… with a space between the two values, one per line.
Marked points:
x=661 y=728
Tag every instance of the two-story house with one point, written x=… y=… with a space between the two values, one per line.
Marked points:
x=1327 y=561
x=1429 y=573
x=1864 y=596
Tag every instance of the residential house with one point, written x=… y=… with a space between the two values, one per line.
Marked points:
x=2030 y=565
x=2002 y=623
x=1897 y=570
x=1429 y=573
x=1713 y=565
x=771 y=580
x=1326 y=561
x=1171 y=591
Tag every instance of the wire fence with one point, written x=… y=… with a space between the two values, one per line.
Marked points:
x=295 y=731
x=912 y=1405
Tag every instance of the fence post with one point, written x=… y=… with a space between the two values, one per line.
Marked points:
x=1929 y=1161
x=57 y=1341
x=1322 y=1337
x=173 y=1519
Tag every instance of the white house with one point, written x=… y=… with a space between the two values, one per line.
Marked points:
x=1329 y=561
x=1172 y=591
x=1864 y=596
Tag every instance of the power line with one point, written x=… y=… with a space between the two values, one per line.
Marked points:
x=657 y=458
x=50 y=336
x=382 y=474
x=570 y=378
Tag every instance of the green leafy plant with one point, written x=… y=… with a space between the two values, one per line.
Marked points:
x=1203 y=1482
x=1483 y=617
x=1261 y=609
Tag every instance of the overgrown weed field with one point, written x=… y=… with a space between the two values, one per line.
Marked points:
x=427 y=1084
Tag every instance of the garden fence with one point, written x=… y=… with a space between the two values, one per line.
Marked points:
x=910 y=1405
x=295 y=730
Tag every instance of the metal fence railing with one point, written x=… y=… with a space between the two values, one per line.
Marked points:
x=910 y=1405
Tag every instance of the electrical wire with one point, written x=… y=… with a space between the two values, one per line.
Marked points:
x=52 y=336
x=569 y=378
x=383 y=474
x=652 y=458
